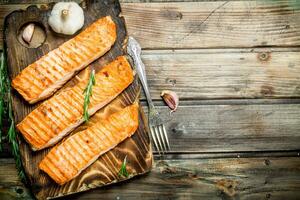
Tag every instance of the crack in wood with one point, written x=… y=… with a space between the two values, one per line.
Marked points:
x=199 y=26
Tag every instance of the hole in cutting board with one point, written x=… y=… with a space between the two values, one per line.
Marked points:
x=38 y=37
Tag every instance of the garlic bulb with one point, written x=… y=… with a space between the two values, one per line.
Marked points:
x=66 y=18
x=171 y=99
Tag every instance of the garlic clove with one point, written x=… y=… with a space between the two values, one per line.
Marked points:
x=28 y=33
x=171 y=99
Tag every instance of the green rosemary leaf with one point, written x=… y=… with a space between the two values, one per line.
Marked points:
x=12 y=139
x=88 y=92
x=1 y=118
x=2 y=93
x=123 y=170
x=11 y=134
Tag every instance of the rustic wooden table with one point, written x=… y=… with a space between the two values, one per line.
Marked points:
x=236 y=68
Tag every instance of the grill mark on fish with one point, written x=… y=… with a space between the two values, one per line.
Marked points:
x=78 y=55
x=30 y=133
x=51 y=166
x=48 y=79
x=66 y=104
x=40 y=125
x=34 y=132
x=68 y=148
x=58 y=114
x=101 y=139
x=65 y=156
x=70 y=59
x=81 y=52
x=66 y=112
x=107 y=130
x=113 y=125
x=59 y=65
x=59 y=58
x=82 y=155
x=61 y=157
x=77 y=102
x=80 y=140
x=69 y=101
x=78 y=158
x=98 y=141
x=35 y=87
x=56 y=173
x=34 y=72
x=52 y=118
x=80 y=150
x=57 y=69
x=90 y=142
x=46 y=125
x=65 y=109
x=106 y=135
x=56 y=60
x=55 y=116
x=50 y=71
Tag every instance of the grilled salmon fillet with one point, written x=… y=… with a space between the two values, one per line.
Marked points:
x=60 y=114
x=42 y=78
x=66 y=160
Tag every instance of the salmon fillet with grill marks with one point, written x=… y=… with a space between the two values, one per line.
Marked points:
x=43 y=77
x=60 y=114
x=66 y=160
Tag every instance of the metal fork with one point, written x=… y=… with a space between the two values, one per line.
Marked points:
x=157 y=128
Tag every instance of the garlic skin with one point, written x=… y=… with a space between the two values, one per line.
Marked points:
x=66 y=18
x=28 y=33
x=171 y=99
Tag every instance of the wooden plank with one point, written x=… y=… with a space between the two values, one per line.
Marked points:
x=214 y=24
x=193 y=74
x=239 y=127
x=183 y=104
x=11 y=187
x=224 y=73
x=233 y=128
x=208 y=24
x=226 y=178
x=219 y=74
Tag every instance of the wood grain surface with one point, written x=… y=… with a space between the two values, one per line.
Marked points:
x=232 y=137
x=214 y=24
x=227 y=73
x=233 y=128
x=208 y=24
x=105 y=170
x=194 y=178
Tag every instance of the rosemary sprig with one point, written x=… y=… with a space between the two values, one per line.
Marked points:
x=12 y=135
x=123 y=171
x=88 y=92
x=2 y=95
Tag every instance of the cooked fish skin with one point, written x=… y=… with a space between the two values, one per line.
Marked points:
x=42 y=78
x=66 y=160
x=62 y=113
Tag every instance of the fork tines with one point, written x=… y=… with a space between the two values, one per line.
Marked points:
x=160 y=138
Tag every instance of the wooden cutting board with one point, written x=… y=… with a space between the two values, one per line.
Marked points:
x=105 y=170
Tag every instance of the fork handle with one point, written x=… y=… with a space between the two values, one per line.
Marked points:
x=140 y=68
